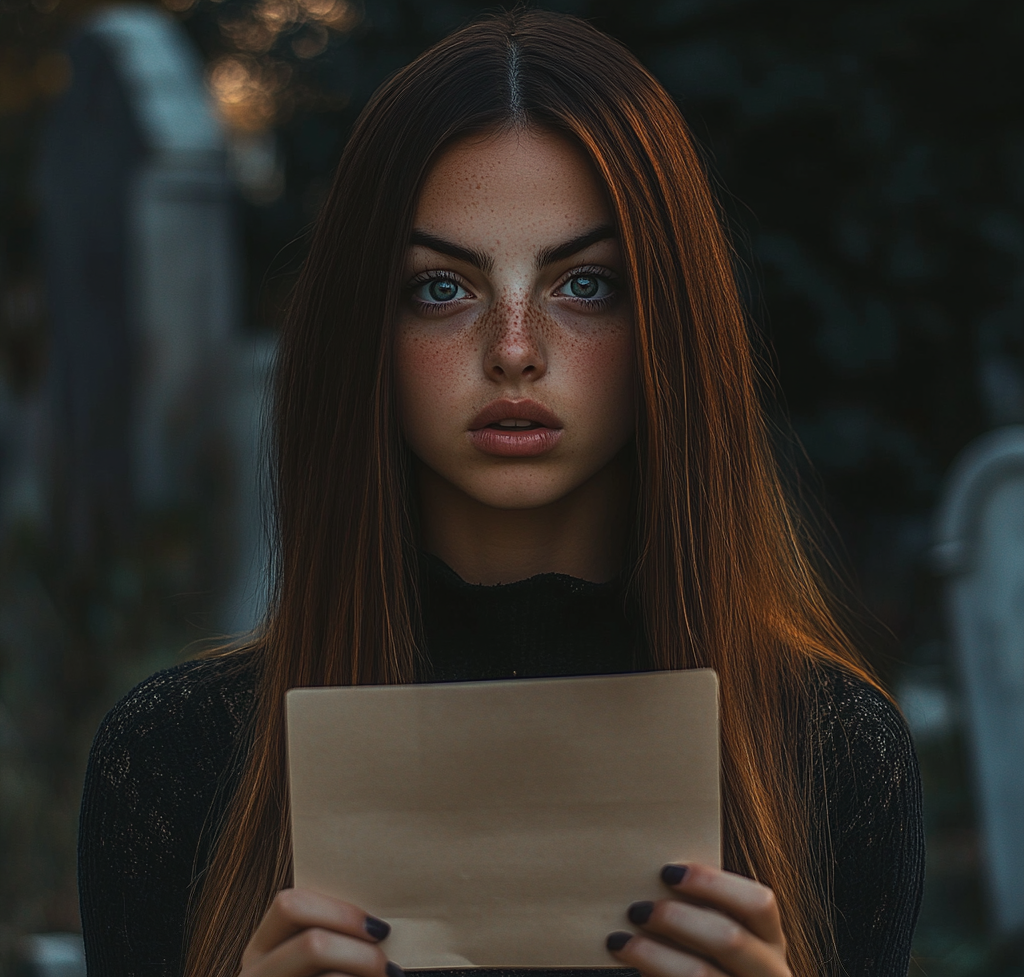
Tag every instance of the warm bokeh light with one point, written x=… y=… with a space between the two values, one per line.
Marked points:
x=311 y=42
x=339 y=15
x=245 y=91
x=278 y=15
x=249 y=35
x=248 y=89
x=257 y=29
x=179 y=6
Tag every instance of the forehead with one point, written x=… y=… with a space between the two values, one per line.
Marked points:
x=498 y=188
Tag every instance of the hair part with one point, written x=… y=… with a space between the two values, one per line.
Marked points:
x=719 y=571
x=515 y=98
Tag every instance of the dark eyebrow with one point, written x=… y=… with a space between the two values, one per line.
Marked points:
x=550 y=255
x=470 y=255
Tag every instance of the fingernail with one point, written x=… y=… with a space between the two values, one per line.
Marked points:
x=393 y=970
x=640 y=912
x=616 y=941
x=377 y=928
x=673 y=874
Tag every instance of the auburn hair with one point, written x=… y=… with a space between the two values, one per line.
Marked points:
x=720 y=573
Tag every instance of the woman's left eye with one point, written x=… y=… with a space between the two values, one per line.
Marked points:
x=586 y=286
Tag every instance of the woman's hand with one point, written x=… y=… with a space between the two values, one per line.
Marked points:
x=721 y=925
x=305 y=934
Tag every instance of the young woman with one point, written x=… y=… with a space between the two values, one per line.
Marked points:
x=517 y=433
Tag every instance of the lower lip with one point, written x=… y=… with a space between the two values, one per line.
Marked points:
x=515 y=444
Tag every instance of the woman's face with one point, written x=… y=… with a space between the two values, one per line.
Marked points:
x=514 y=349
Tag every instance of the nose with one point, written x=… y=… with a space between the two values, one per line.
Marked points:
x=515 y=348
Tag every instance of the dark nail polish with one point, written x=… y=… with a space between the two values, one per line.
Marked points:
x=640 y=912
x=377 y=928
x=617 y=940
x=673 y=874
x=393 y=970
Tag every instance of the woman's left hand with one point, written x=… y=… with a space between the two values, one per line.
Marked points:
x=720 y=925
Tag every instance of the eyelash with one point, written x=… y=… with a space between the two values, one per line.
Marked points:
x=439 y=308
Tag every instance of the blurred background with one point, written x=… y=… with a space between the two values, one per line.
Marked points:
x=159 y=167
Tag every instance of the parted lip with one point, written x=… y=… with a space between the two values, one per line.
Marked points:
x=521 y=410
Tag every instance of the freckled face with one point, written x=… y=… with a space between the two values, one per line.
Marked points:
x=514 y=349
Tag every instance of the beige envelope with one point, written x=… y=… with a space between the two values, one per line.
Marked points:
x=504 y=824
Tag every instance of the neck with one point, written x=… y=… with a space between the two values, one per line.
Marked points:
x=583 y=534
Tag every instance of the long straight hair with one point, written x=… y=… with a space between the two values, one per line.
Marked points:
x=720 y=575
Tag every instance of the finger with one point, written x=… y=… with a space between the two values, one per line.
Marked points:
x=314 y=951
x=745 y=900
x=294 y=910
x=654 y=959
x=712 y=934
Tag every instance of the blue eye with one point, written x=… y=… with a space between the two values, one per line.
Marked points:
x=437 y=291
x=586 y=286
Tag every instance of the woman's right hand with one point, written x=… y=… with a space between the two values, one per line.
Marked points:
x=306 y=934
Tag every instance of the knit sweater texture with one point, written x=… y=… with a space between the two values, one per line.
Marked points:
x=164 y=764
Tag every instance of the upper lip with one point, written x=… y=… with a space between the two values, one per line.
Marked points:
x=523 y=410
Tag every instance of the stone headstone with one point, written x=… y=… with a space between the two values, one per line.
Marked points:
x=90 y=153
x=52 y=955
x=144 y=275
x=185 y=264
x=979 y=548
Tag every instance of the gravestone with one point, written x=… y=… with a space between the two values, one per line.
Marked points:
x=89 y=154
x=979 y=548
x=143 y=277
x=51 y=955
x=185 y=270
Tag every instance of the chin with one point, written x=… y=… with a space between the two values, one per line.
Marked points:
x=526 y=495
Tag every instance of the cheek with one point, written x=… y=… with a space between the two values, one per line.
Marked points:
x=602 y=371
x=431 y=370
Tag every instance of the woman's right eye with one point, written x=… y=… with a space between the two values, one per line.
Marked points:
x=438 y=291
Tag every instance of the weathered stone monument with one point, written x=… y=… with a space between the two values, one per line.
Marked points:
x=184 y=267
x=979 y=548
x=150 y=367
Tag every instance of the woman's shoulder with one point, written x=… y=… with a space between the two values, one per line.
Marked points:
x=191 y=713
x=161 y=770
x=867 y=822
x=856 y=716
x=867 y=774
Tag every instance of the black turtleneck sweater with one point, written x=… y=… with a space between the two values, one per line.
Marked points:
x=162 y=766
x=548 y=625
